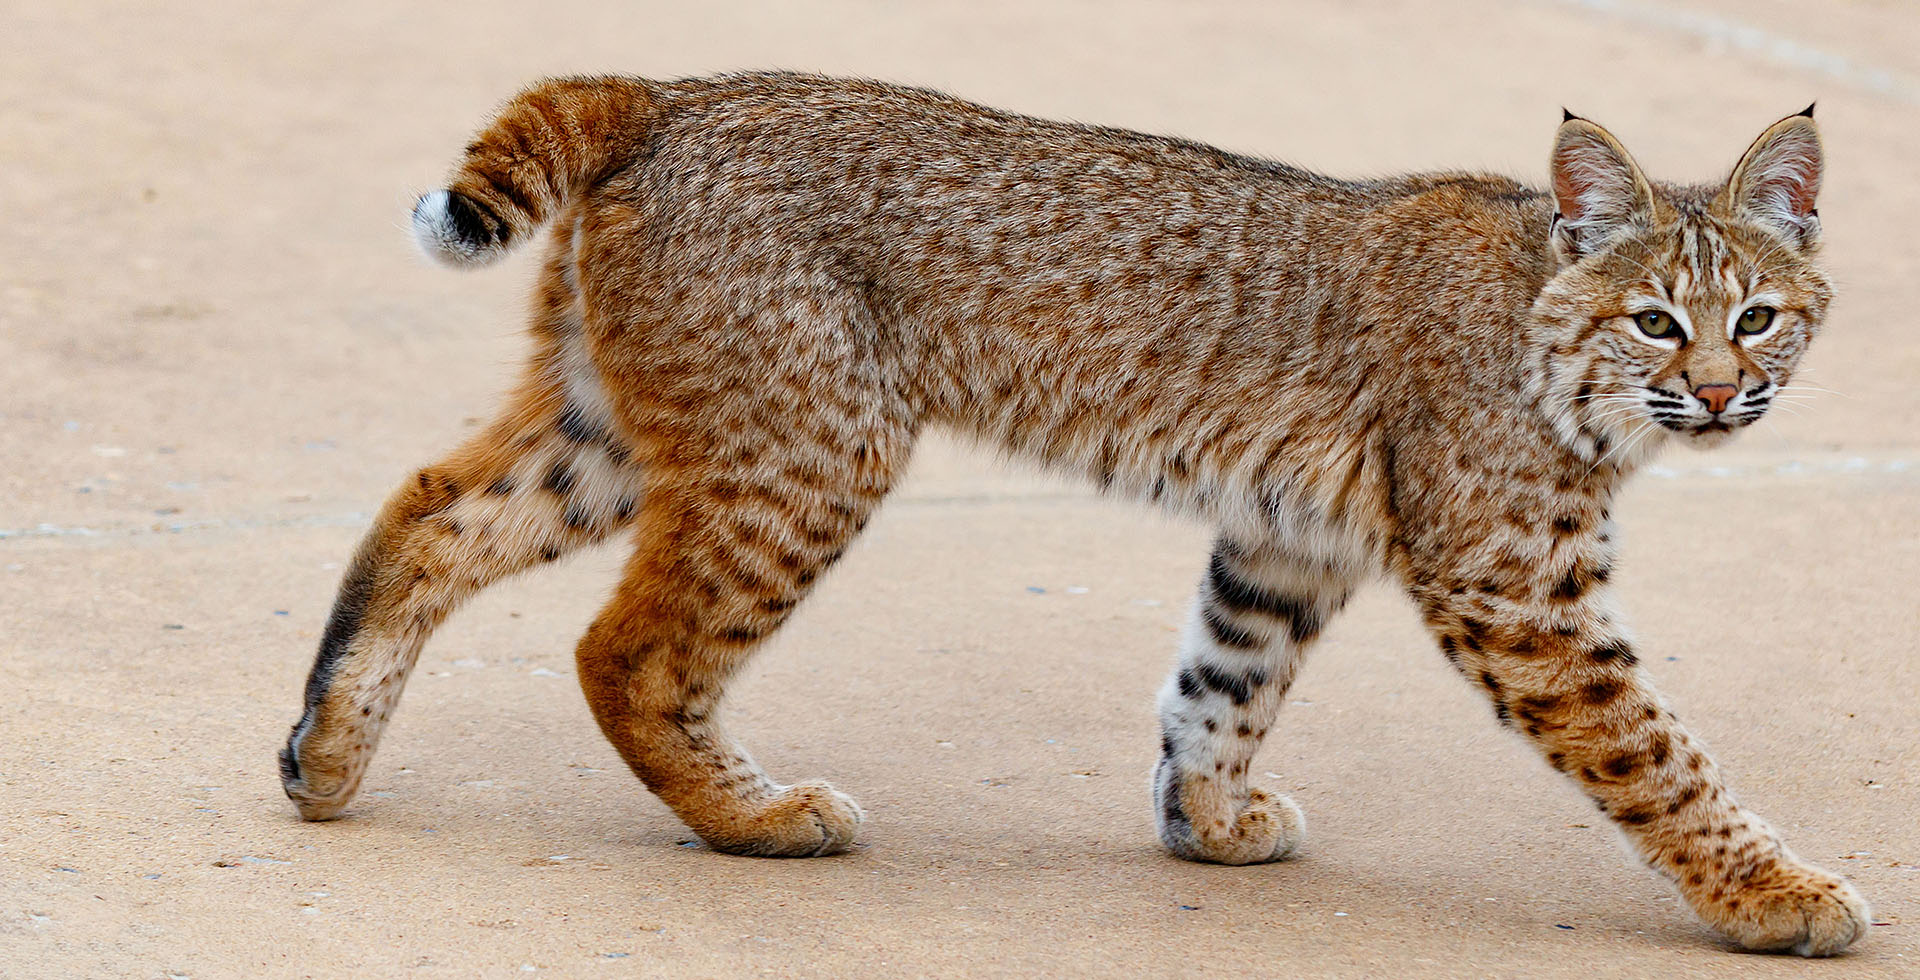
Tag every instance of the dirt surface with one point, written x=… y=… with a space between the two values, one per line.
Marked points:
x=218 y=354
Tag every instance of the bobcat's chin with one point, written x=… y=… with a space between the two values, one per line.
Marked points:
x=1710 y=435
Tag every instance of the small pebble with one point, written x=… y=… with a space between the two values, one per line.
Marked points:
x=1036 y=590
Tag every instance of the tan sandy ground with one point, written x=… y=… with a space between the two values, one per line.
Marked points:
x=217 y=354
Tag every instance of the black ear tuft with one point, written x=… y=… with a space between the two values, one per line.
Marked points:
x=1566 y=115
x=1808 y=111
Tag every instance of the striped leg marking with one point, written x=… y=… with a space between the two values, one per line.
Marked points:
x=527 y=491
x=1255 y=615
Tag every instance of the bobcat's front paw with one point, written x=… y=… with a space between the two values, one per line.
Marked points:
x=806 y=820
x=1787 y=906
x=1201 y=820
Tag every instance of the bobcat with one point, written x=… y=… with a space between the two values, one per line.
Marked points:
x=760 y=288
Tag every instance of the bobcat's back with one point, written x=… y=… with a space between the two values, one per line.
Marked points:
x=1207 y=330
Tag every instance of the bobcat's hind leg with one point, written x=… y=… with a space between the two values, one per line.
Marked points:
x=1258 y=609
x=724 y=553
x=543 y=480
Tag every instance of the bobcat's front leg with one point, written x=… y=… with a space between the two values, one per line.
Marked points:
x=1547 y=651
x=1258 y=609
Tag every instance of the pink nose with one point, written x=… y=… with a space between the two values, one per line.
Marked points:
x=1716 y=397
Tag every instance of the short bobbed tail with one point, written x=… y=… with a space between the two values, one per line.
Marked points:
x=548 y=144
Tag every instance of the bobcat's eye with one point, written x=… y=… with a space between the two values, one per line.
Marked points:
x=1755 y=320
x=1658 y=324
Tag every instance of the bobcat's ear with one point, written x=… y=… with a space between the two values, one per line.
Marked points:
x=1597 y=189
x=1778 y=179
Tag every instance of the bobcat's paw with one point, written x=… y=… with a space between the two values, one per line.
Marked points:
x=1198 y=821
x=319 y=789
x=1789 y=907
x=805 y=820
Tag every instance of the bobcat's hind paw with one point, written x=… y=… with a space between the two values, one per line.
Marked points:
x=809 y=819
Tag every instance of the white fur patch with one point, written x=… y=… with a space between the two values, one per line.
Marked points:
x=439 y=237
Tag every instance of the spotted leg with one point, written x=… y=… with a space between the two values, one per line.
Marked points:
x=544 y=479
x=1539 y=637
x=1256 y=612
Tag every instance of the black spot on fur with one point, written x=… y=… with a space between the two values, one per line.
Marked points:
x=1229 y=635
x=1239 y=688
x=1686 y=796
x=1571 y=586
x=1621 y=765
x=1614 y=651
x=559 y=479
x=1170 y=808
x=577 y=427
x=1241 y=596
x=1189 y=685
x=1566 y=525
x=577 y=518
x=501 y=487
x=1600 y=692
x=1476 y=633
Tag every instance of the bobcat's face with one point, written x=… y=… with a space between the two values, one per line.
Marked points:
x=1677 y=310
x=1701 y=323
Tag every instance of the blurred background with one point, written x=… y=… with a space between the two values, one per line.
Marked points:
x=218 y=352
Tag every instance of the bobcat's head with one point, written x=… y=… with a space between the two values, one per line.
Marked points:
x=1676 y=310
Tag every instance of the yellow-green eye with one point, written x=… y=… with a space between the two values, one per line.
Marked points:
x=1756 y=319
x=1658 y=324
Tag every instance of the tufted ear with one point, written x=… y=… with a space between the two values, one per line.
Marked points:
x=1778 y=179
x=1597 y=189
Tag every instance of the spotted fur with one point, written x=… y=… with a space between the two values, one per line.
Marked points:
x=761 y=288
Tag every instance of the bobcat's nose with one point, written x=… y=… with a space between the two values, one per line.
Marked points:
x=1716 y=397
